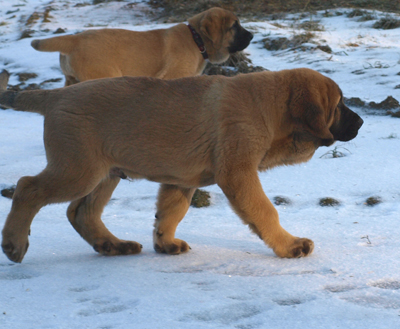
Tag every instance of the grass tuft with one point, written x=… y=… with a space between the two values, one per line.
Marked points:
x=387 y=23
x=311 y=26
x=335 y=153
x=285 y=43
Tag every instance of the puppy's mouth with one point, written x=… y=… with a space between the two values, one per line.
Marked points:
x=241 y=41
x=349 y=128
x=351 y=131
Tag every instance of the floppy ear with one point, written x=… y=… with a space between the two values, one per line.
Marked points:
x=211 y=27
x=315 y=119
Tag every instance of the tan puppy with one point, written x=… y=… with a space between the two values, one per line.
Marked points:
x=176 y=52
x=183 y=133
x=171 y=53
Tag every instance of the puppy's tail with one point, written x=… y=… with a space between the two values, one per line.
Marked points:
x=63 y=44
x=26 y=101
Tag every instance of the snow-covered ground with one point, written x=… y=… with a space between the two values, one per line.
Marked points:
x=229 y=279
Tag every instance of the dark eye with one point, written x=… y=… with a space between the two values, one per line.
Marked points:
x=235 y=25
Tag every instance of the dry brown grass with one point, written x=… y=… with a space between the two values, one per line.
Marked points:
x=387 y=23
x=181 y=9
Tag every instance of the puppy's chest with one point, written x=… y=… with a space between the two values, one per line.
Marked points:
x=287 y=151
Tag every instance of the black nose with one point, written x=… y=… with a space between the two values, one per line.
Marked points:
x=246 y=36
x=241 y=41
x=359 y=123
x=348 y=126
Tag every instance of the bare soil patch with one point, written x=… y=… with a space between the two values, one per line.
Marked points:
x=178 y=10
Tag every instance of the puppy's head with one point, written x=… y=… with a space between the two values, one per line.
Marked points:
x=221 y=32
x=318 y=105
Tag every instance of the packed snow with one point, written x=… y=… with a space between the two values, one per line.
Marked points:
x=229 y=279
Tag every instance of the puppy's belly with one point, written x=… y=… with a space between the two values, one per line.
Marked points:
x=204 y=178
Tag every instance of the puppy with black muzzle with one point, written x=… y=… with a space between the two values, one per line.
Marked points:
x=176 y=52
x=183 y=133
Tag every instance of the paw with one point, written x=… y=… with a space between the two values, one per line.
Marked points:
x=301 y=247
x=109 y=248
x=13 y=251
x=172 y=248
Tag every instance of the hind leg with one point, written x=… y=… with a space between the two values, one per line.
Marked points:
x=16 y=228
x=31 y=194
x=85 y=216
x=173 y=203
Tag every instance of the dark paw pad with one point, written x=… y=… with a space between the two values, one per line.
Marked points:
x=7 y=248
x=13 y=253
x=103 y=248
x=121 y=248
x=158 y=249
x=172 y=248
x=304 y=249
x=129 y=248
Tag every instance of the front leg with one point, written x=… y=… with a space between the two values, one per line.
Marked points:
x=244 y=191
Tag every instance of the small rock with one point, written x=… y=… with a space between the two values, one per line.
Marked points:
x=59 y=31
x=21 y=86
x=328 y=202
x=82 y=4
x=8 y=192
x=26 y=76
x=281 y=200
x=358 y=72
x=395 y=114
x=26 y=34
x=237 y=63
x=32 y=86
x=325 y=48
x=389 y=103
x=373 y=201
x=354 y=101
x=33 y=18
x=284 y=43
x=50 y=81
x=218 y=70
x=200 y=199
x=12 y=11
x=275 y=43
x=355 y=12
